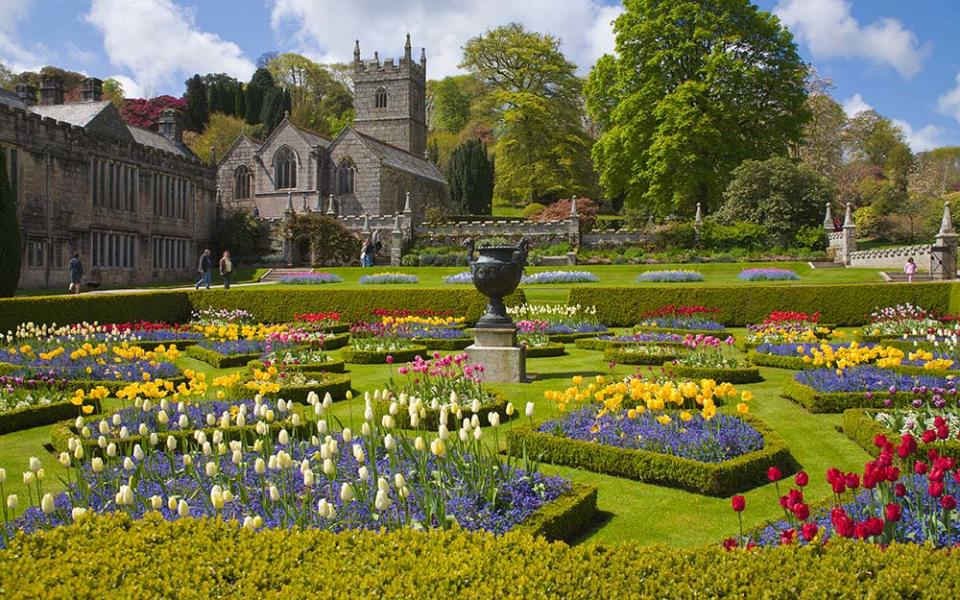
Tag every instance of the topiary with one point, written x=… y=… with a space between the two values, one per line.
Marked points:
x=534 y=208
x=10 y=242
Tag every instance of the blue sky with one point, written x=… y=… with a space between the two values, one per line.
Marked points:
x=900 y=58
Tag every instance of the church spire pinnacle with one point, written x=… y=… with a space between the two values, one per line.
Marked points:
x=423 y=57
x=407 y=49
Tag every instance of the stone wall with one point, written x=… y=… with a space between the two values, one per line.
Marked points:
x=55 y=204
x=892 y=258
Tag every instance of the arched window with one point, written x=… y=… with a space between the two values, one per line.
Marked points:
x=380 y=98
x=346 y=172
x=285 y=169
x=242 y=183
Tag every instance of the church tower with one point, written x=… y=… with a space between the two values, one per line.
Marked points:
x=390 y=99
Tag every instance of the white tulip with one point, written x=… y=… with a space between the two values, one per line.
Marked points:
x=216 y=497
x=35 y=464
x=183 y=422
x=217 y=437
x=510 y=409
x=346 y=493
x=443 y=432
x=78 y=452
x=3 y=475
x=389 y=443
x=308 y=479
x=248 y=522
x=365 y=429
x=183 y=510
x=529 y=410
x=382 y=501
x=295 y=419
x=128 y=464
x=162 y=417
x=358 y=453
x=347 y=435
x=241 y=420
x=322 y=426
x=103 y=427
x=494 y=418
x=64 y=459
x=156 y=502
x=78 y=513
x=474 y=422
x=154 y=440
x=438 y=447
x=85 y=432
x=187 y=461
x=96 y=464
x=274 y=493
x=477 y=433
x=72 y=443
x=419 y=444
x=283 y=438
x=237 y=457
x=328 y=467
x=259 y=466
x=464 y=435
x=211 y=419
x=363 y=473
x=137 y=452
x=211 y=469
x=143 y=430
x=272 y=463
x=78 y=423
x=46 y=504
x=116 y=420
x=368 y=413
x=125 y=495
x=398 y=480
x=475 y=406
x=12 y=502
x=171 y=443
x=111 y=450
x=102 y=442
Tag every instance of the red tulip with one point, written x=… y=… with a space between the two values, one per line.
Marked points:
x=948 y=502
x=801 y=511
x=809 y=531
x=730 y=544
x=907 y=446
x=739 y=503
x=802 y=479
x=852 y=480
x=891 y=512
x=929 y=436
x=786 y=536
x=899 y=490
x=839 y=486
x=935 y=488
x=774 y=474
x=919 y=467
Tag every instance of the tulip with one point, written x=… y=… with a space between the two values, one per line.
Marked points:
x=78 y=513
x=210 y=469
x=116 y=420
x=774 y=474
x=125 y=495
x=437 y=447
x=419 y=444
x=12 y=502
x=248 y=522
x=346 y=493
x=128 y=464
x=138 y=452
x=322 y=426
x=363 y=473
x=187 y=460
x=382 y=501
x=510 y=409
x=64 y=459
x=347 y=435
x=274 y=493
x=154 y=440
x=259 y=466
x=739 y=503
x=35 y=464
x=494 y=418
x=216 y=497
x=3 y=475
x=96 y=464
x=529 y=410
x=183 y=509
x=389 y=443
x=28 y=477
x=477 y=433
x=156 y=502
x=308 y=479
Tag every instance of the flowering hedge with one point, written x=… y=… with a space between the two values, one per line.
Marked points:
x=388 y=278
x=767 y=274
x=712 y=479
x=309 y=279
x=617 y=341
x=558 y=277
x=465 y=277
x=681 y=276
x=216 y=559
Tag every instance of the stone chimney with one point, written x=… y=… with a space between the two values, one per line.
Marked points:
x=170 y=126
x=27 y=93
x=91 y=90
x=51 y=91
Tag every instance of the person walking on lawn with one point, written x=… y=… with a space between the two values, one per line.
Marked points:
x=226 y=269
x=76 y=272
x=910 y=269
x=206 y=263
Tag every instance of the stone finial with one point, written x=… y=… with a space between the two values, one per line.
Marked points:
x=946 y=223
x=356 y=51
x=573 y=207
x=366 y=223
x=828 y=218
x=698 y=218
x=848 y=218
x=376 y=56
x=289 y=202
x=407 y=49
x=318 y=204
x=406 y=205
x=423 y=57
x=331 y=209
x=396 y=223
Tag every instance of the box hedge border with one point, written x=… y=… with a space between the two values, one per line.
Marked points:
x=334 y=342
x=546 y=351
x=764 y=359
x=843 y=304
x=717 y=333
x=712 y=479
x=336 y=384
x=598 y=344
x=449 y=344
x=361 y=357
x=837 y=402
x=221 y=361
x=859 y=425
x=29 y=417
x=567 y=338
x=623 y=356
x=331 y=366
x=738 y=375
x=565 y=518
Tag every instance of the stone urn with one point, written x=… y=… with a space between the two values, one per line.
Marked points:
x=496 y=273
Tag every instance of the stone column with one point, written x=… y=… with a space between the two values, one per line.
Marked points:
x=290 y=202
x=943 y=254
x=319 y=202
x=331 y=209
x=573 y=224
x=828 y=224
x=697 y=224
x=849 y=236
x=396 y=242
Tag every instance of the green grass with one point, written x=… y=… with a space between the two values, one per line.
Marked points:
x=242 y=274
x=629 y=510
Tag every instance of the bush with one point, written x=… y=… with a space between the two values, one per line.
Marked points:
x=742 y=305
x=35 y=416
x=740 y=234
x=560 y=211
x=335 y=384
x=763 y=359
x=532 y=209
x=103 y=557
x=811 y=237
x=740 y=375
x=557 y=349
x=361 y=357
x=169 y=307
x=622 y=355
x=331 y=244
x=712 y=479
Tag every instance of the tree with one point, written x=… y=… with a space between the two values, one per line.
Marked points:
x=823 y=136
x=260 y=84
x=113 y=91
x=451 y=104
x=221 y=93
x=6 y=78
x=240 y=103
x=542 y=149
x=272 y=113
x=221 y=132
x=196 y=97
x=315 y=97
x=146 y=113
x=10 y=242
x=470 y=175
x=241 y=233
x=696 y=88
x=780 y=193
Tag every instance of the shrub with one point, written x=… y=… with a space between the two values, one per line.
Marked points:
x=712 y=479
x=532 y=209
x=331 y=243
x=627 y=355
x=740 y=234
x=767 y=274
x=560 y=211
x=811 y=237
x=669 y=276
x=763 y=359
x=389 y=278
x=559 y=277
x=738 y=375
x=836 y=402
x=476 y=565
x=361 y=357
x=553 y=349
x=35 y=416
x=743 y=305
x=220 y=361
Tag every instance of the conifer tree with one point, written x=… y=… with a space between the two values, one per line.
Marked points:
x=197 y=108
x=470 y=175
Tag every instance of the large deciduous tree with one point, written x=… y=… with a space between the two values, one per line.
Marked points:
x=470 y=175
x=823 y=136
x=696 y=88
x=542 y=150
x=221 y=132
x=11 y=247
x=317 y=99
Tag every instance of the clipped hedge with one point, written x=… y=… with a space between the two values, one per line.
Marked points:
x=565 y=518
x=712 y=479
x=860 y=426
x=717 y=333
x=837 y=402
x=598 y=344
x=567 y=338
x=220 y=361
x=152 y=344
x=778 y=362
x=547 y=350
x=114 y=556
x=624 y=356
x=36 y=416
x=335 y=341
x=738 y=375
x=444 y=343
x=362 y=357
x=331 y=366
x=843 y=304
x=112 y=385
x=267 y=303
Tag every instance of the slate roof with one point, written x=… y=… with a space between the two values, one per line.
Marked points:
x=314 y=139
x=75 y=113
x=11 y=99
x=152 y=139
x=402 y=160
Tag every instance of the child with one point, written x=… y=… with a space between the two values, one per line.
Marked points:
x=910 y=269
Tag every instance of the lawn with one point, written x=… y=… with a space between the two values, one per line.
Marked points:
x=629 y=510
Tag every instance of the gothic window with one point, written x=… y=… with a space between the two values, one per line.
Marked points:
x=285 y=169
x=242 y=182
x=380 y=98
x=346 y=171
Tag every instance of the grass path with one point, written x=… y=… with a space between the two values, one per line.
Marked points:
x=629 y=510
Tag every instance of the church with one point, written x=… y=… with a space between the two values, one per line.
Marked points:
x=369 y=168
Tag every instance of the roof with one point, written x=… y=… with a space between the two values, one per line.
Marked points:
x=402 y=160
x=75 y=113
x=152 y=139
x=11 y=99
x=313 y=138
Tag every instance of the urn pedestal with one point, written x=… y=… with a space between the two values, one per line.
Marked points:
x=497 y=273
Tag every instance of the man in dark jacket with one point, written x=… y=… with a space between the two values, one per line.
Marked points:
x=206 y=263
x=76 y=272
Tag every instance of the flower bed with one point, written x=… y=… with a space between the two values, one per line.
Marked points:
x=466 y=277
x=681 y=319
x=220 y=360
x=897 y=321
x=559 y=277
x=709 y=478
x=28 y=403
x=777 y=361
x=863 y=426
x=309 y=278
x=388 y=278
x=377 y=357
x=560 y=323
x=611 y=341
x=678 y=276
x=767 y=274
x=642 y=355
x=822 y=390
x=546 y=350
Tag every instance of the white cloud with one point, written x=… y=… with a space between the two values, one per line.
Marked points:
x=855 y=104
x=829 y=30
x=131 y=89
x=441 y=26
x=920 y=140
x=161 y=44
x=949 y=103
x=13 y=52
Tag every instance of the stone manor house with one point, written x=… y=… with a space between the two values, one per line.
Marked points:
x=375 y=169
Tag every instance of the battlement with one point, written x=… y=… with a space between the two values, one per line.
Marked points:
x=405 y=66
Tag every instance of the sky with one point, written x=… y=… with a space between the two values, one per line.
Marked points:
x=899 y=58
